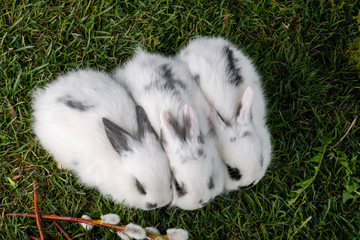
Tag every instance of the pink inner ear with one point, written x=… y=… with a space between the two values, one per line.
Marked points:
x=212 y=115
x=165 y=125
x=246 y=103
x=189 y=113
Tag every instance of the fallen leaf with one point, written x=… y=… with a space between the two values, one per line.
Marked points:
x=16 y=177
x=12 y=111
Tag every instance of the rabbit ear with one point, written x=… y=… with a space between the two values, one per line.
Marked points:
x=191 y=126
x=118 y=137
x=215 y=119
x=246 y=103
x=144 y=125
x=170 y=129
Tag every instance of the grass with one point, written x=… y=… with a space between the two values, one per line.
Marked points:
x=312 y=187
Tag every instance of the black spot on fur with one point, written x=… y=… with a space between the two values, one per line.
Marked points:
x=211 y=132
x=233 y=139
x=211 y=184
x=200 y=138
x=181 y=191
x=246 y=133
x=261 y=160
x=197 y=79
x=247 y=186
x=150 y=205
x=74 y=104
x=74 y=163
x=200 y=152
x=234 y=173
x=77 y=105
x=167 y=81
x=140 y=187
x=166 y=73
x=233 y=70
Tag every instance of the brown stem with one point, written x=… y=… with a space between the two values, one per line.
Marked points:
x=32 y=237
x=38 y=216
x=70 y=219
x=62 y=230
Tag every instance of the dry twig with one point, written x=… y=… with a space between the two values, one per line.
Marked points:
x=342 y=138
x=32 y=237
x=38 y=216
x=62 y=230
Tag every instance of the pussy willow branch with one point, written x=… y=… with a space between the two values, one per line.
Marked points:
x=81 y=220
x=62 y=230
x=37 y=214
x=32 y=237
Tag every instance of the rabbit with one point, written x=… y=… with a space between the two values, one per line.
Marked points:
x=223 y=74
x=179 y=114
x=91 y=125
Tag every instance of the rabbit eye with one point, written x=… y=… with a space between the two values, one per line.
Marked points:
x=140 y=187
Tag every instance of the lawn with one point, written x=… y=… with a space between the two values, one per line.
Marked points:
x=300 y=48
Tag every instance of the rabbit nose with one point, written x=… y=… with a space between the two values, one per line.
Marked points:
x=150 y=205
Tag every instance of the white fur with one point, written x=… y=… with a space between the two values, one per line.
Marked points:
x=78 y=141
x=144 y=75
x=207 y=61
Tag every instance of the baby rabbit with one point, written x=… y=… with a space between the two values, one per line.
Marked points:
x=231 y=84
x=160 y=85
x=91 y=126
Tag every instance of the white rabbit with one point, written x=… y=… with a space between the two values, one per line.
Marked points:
x=157 y=83
x=90 y=124
x=223 y=73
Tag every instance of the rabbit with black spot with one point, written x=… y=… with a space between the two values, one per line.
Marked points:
x=180 y=115
x=91 y=125
x=230 y=83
